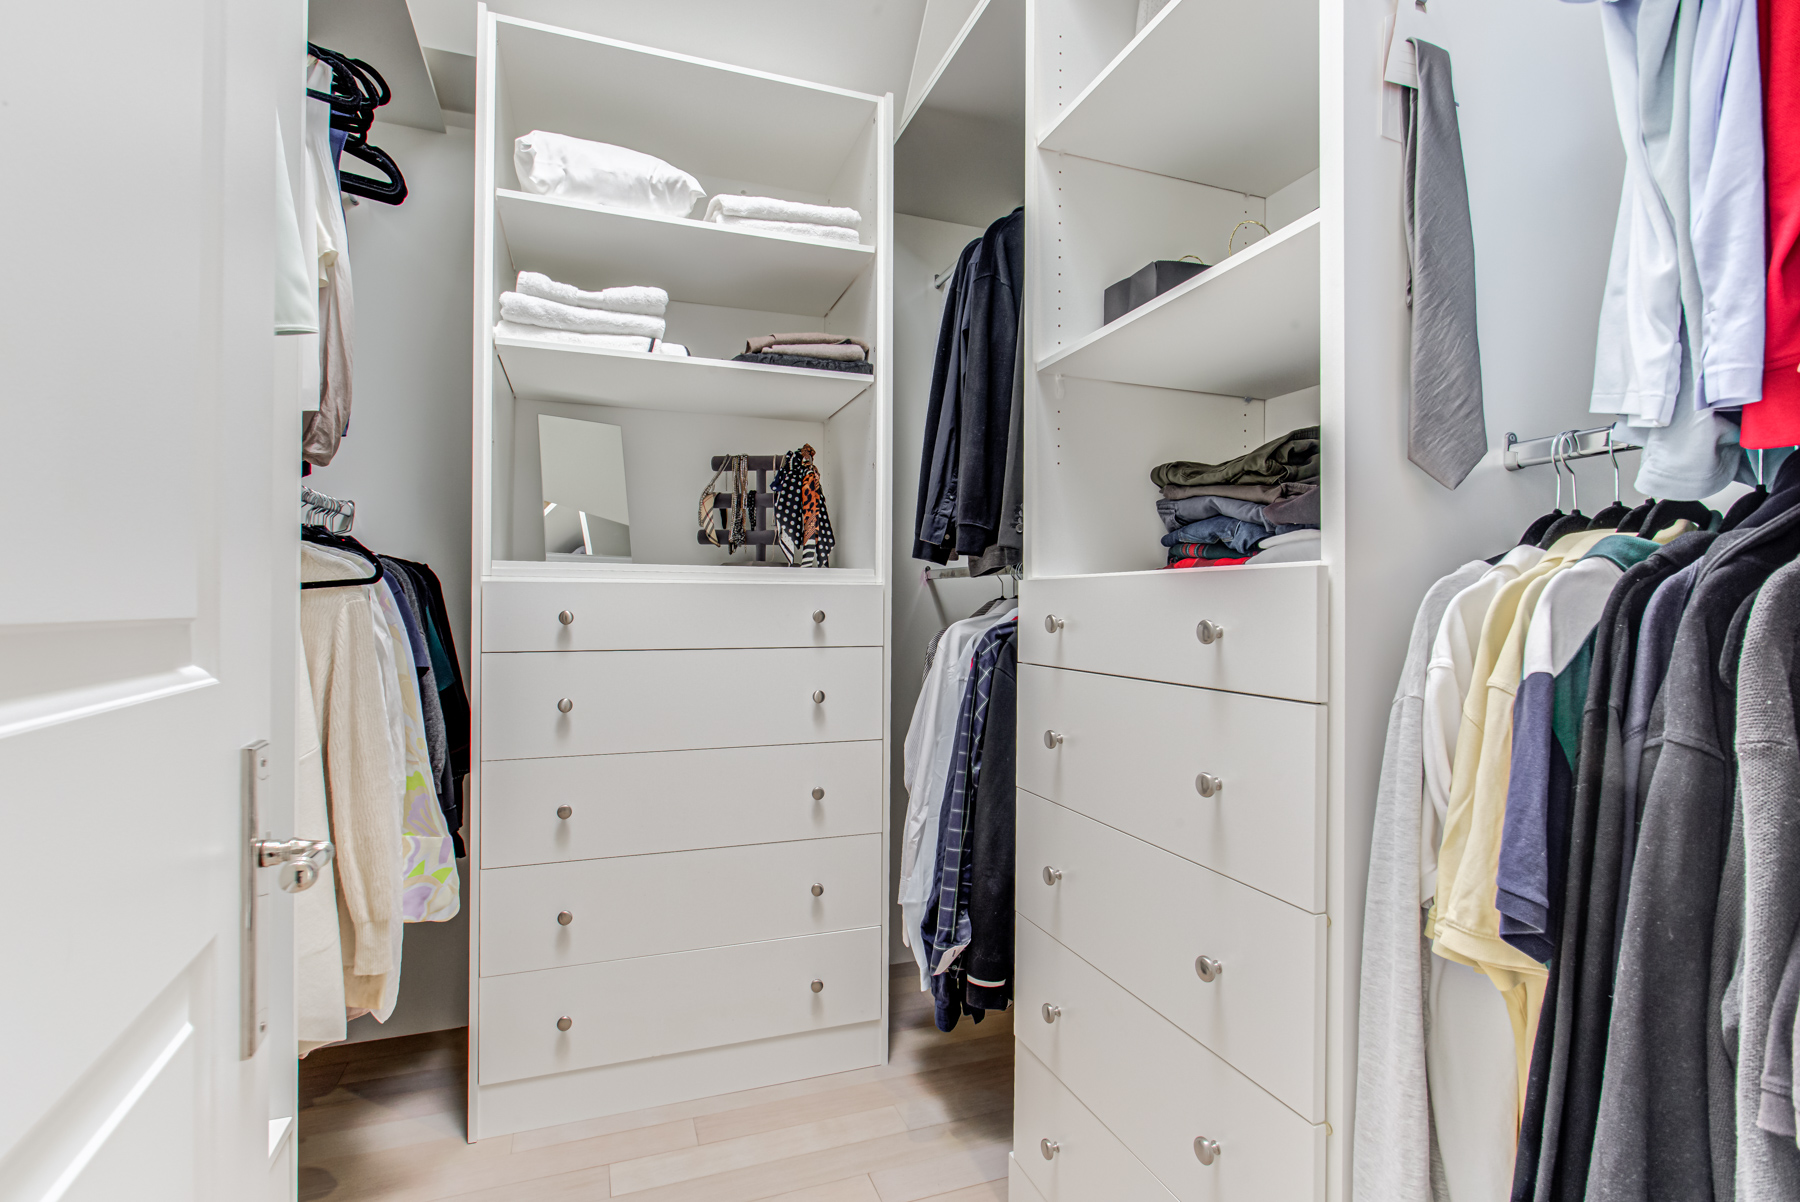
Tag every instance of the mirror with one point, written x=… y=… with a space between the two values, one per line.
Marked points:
x=583 y=468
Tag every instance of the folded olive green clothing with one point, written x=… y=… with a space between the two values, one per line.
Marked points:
x=1259 y=494
x=763 y=342
x=1292 y=457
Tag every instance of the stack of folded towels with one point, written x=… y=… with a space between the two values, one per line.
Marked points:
x=829 y=223
x=828 y=352
x=614 y=319
x=1262 y=507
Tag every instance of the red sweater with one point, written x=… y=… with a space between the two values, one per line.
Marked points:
x=1774 y=421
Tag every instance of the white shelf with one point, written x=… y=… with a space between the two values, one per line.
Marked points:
x=1247 y=327
x=549 y=371
x=1210 y=91
x=695 y=261
x=705 y=117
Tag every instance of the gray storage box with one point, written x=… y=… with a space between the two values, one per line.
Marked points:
x=1146 y=284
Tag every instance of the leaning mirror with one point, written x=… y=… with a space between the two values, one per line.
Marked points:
x=585 y=514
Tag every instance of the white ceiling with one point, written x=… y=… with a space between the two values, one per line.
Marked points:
x=865 y=45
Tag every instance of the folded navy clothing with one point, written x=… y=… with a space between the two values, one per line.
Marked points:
x=1238 y=535
x=862 y=367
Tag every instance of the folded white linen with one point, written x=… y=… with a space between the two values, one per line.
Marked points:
x=796 y=229
x=604 y=342
x=603 y=174
x=767 y=208
x=536 y=311
x=632 y=299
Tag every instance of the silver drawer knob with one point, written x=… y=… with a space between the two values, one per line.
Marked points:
x=1209 y=969
x=564 y=1023
x=818 y=615
x=566 y=704
x=818 y=696
x=1052 y=1013
x=565 y=812
x=1206 y=1149
x=566 y=617
x=1209 y=632
x=1052 y=740
x=818 y=794
x=1052 y=623
x=1049 y=1148
x=818 y=986
x=564 y=918
x=1208 y=785
x=1052 y=875
x=818 y=890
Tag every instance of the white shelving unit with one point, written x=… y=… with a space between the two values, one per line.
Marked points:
x=620 y=700
x=1206 y=743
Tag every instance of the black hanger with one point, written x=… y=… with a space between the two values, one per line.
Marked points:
x=1743 y=507
x=1667 y=513
x=340 y=542
x=1633 y=522
x=1610 y=517
x=357 y=90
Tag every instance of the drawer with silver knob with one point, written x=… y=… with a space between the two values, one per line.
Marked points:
x=624 y=1010
x=540 y=811
x=1233 y=782
x=1197 y=1126
x=1081 y=1161
x=548 y=915
x=1265 y=1016
x=612 y=615
x=603 y=702
x=1261 y=630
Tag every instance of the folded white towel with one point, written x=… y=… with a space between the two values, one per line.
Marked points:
x=767 y=208
x=536 y=311
x=795 y=229
x=604 y=342
x=635 y=299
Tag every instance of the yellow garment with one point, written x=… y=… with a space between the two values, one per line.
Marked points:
x=1464 y=922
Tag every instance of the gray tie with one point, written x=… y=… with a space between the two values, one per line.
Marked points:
x=1446 y=434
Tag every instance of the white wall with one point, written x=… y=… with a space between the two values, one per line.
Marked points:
x=922 y=248
x=405 y=461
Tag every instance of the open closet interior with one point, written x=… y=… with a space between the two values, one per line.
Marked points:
x=815 y=632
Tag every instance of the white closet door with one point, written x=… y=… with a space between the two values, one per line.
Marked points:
x=147 y=614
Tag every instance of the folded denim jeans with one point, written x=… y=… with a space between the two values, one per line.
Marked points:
x=1240 y=536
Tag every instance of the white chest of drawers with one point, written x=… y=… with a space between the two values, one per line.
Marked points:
x=1173 y=985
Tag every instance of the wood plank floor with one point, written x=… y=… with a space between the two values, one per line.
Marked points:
x=383 y=1122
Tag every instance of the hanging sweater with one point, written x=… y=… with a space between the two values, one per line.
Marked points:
x=1768 y=752
x=362 y=778
x=1665 y=1092
x=1393 y=1105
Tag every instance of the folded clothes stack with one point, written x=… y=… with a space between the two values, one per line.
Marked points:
x=613 y=319
x=1262 y=507
x=828 y=223
x=826 y=352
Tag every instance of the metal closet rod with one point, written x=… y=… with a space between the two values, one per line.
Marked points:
x=1575 y=444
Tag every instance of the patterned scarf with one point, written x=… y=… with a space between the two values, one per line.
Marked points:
x=800 y=514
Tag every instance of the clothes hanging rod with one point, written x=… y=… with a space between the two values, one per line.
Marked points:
x=943 y=277
x=961 y=572
x=1576 y=444
x=318 y=502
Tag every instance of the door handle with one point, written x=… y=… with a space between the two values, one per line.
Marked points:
x=300 y=860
